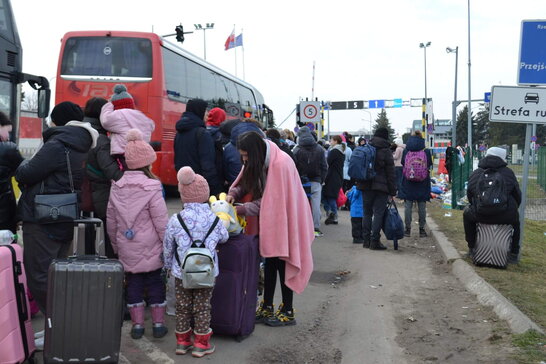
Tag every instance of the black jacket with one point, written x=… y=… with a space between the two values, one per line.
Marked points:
x=310 y=159
x=415 y=191
x=194 y=147
x=49 y=166
x=385 y=179
x=10 y=159
x=101 y=169
x=231 y=159
x=334 y=176
x=511 y=186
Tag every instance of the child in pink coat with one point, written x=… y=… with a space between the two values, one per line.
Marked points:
x=137 y=216
x=119 y=115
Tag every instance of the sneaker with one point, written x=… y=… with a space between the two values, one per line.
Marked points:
x=422 y=233
x=318 y=233
x=282 y=318
x=263 y=313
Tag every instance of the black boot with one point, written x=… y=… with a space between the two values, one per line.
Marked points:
x=366 y=243
x=376 y=245
x=330 y=219
x=422 y=233
x=407 y=232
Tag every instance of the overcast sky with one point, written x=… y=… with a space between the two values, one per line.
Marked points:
x=363 y=50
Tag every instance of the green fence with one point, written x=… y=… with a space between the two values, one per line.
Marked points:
x=460 y=172
x=541 y=168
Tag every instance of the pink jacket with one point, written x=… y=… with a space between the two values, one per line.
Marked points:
x=136 y=204
x=119 y=122
x=286 y=223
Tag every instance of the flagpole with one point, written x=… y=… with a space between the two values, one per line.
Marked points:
x=243 y=50
x=235 y=48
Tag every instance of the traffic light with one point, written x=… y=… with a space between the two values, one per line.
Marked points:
x=298 y=116
x=179 y=33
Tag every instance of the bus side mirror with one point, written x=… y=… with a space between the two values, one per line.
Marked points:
x=44 y=96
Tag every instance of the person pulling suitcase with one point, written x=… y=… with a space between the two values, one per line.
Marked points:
x=194 y=231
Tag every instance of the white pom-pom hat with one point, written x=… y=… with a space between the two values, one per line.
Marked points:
x=192 y=186
x=138 y=153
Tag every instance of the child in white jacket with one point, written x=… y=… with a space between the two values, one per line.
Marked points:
x=119 y=116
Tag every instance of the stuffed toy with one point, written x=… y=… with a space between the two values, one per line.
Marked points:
x=227 y=214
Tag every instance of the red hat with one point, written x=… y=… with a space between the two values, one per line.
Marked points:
x=121 y=99
x=216 y=116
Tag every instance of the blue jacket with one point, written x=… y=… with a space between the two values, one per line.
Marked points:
x=232 y=159
x=355 y=197
x=416 y=191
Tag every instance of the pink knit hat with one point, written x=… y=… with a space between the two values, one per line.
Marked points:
x=192 y=186
x=138 y=153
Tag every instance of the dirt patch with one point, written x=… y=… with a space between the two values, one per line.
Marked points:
x=444 y=323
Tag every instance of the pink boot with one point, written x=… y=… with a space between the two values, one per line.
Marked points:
x=202 y=345
x=137 y=316
x=183 y=342
x=158 y=319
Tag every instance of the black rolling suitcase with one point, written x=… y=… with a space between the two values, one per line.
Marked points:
x=84 y=305
x=492 y=245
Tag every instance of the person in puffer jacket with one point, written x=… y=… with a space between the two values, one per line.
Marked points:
x=119 y=116
x=137 y=216
x=192 y=303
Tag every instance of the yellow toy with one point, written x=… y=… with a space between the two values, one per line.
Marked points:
x=227 y=214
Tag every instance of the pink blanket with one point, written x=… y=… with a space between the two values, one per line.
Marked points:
x=286 y=223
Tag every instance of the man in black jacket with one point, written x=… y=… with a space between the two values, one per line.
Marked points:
x=49 y=168
x=311 y=163
x=376 y=192
x=194 y=147
x=495 y=159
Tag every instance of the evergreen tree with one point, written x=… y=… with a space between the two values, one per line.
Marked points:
x=382 y=121
x=461 y=134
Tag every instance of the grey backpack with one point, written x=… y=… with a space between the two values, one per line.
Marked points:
x=197 y=266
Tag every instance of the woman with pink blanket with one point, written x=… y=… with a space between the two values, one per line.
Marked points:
x=285 y=223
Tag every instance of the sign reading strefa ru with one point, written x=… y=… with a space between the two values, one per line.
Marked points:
x=515 y=104
x=532 y=53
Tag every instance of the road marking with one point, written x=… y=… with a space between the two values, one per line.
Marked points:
x=145 y=346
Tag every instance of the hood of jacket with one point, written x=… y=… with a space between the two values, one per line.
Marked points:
x=189 y=121
x=305 y=138
x=380 y=143
x=77 y=135
x=95 y=123
x=132 y=194
x=492 y=161
x=415 y=143
x=242 y=128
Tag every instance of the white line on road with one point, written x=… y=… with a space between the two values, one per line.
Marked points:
x=145 y=346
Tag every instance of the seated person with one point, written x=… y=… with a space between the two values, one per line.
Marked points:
x=494 y=161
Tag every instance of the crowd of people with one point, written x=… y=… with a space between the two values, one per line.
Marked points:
x=106 y=145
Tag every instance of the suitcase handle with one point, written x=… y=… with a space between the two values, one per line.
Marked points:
x=87 y=257
x=99 y=235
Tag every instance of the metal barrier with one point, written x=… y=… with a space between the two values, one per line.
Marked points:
x=541 y=168
x=460 y=172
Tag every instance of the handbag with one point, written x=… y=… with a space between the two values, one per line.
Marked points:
x=341 y=198
x=59 y=207
x=393 y=227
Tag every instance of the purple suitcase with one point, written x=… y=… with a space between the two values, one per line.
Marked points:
x=235 y=292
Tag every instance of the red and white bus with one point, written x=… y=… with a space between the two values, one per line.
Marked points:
x=160 y=76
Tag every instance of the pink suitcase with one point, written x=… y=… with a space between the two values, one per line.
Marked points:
x=16 y=334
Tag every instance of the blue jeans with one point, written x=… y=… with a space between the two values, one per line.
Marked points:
x=330 y=205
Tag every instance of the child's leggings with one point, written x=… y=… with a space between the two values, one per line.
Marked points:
x=272 y=265
x=192 y=303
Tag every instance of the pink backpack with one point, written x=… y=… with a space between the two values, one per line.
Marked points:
x=415 y=166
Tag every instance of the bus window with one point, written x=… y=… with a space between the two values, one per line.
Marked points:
x=221 y=91
x=233 y=95
x=193 y=79
x=107 y=56
x=5 y=96
x=208 y=85
x=175 y=75
x=247 y=99
x=6 y=28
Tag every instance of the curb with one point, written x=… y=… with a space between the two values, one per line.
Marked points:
x=487 y=295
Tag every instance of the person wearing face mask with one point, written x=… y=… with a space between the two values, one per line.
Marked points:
x=10 y=159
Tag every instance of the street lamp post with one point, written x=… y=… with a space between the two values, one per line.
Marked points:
x=469 y=88
x=204 y=28
x=425 y=118
x=424 y=46
x=454 y=104
x=370 y=115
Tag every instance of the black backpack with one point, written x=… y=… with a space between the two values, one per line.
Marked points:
x=308 y=164
x=492 y=198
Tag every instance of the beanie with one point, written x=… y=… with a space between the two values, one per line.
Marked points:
x=121 y=99
x=66 y=111
x=216 y=116
x=497 y=152
x=382 y=133
x=138 y=153
x=192 y=186
x=198 y=107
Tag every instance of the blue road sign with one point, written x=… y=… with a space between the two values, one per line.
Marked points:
x=376 y=104
x=532 y=53
x=397 y=103
x=487 y=97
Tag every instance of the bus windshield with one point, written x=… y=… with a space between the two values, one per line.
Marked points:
x=107 y=56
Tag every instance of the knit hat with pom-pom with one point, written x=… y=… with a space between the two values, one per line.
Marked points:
x=121 y=99
x=138 y=153
x=192 y=186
